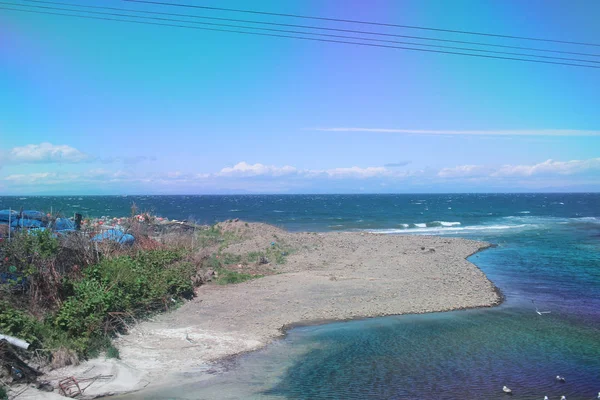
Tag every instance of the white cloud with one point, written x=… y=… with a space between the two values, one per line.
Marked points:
x=357 y=172
x=243 y=169
x=549 y=167
x=462 y=171
x=46 y=153
x=547 y=173
x=513 y=132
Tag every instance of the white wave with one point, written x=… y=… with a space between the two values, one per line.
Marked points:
x=444 y=223
x=524 y=212
x=234 y=210
x=446 y=230
x=593 y=220
x=421 y=225
x=278 y=211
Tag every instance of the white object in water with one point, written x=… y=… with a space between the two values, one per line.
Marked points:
x=563 y=398
x=538 y=311
x=560 y=378
x=545 y=397
x=506 y=390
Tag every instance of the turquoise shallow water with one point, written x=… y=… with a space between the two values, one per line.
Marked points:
x=548 y=252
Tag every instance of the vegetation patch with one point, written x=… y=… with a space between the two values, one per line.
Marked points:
x=68 y=296
x=216 y=236
x=226 y=276
x=66 y=311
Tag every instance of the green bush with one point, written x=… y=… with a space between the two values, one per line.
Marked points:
x=3 y=393
x=129 y=286
x=28 y=247
x=112 y=352
x=21 y=325
x=86 y=306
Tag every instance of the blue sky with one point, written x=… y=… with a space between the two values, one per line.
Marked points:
x=89 y=106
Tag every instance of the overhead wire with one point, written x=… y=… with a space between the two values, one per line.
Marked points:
x=301 y=38
x=314 y=27
x=362 y=22
x=307 y=33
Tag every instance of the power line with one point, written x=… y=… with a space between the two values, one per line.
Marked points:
x=306 y=33
x=362 y=22
x=302 y=38
x=313 y=27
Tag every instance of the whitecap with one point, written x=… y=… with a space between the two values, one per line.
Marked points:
x=524 y=212
x=444 y=223
x=450 y=230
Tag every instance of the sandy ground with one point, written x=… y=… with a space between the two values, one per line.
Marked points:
x=329 y=276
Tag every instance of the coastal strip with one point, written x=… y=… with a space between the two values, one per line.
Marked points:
x=333 y=276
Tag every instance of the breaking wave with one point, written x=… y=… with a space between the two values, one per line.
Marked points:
x=451 y=229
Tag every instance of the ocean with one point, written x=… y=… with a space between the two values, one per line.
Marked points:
x=547 y=259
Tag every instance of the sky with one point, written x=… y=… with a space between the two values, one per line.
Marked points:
x=93 y=106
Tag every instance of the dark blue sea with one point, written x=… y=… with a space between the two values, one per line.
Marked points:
x=548 y=257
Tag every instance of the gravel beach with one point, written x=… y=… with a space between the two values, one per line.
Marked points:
x=326 y=277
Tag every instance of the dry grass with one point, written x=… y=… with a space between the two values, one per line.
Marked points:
x=63 y=357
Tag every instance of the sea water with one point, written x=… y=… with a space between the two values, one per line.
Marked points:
x=547 y=259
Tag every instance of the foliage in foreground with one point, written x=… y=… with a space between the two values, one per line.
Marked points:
x=101 y=299
x=68 y=299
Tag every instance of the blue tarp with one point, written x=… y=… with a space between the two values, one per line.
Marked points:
x=26 y=223
x=114 y=235
x=33 y=214
x=4 y=215
x=64 y=224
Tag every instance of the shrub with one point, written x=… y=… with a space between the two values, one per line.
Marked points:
x=20 y=324
x=120 y=287
x=112 y=352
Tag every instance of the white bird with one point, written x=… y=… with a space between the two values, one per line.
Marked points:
x=545 y=397
x=563 y=398
x=538 y=311
x=506 y=390
x=560 y=378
